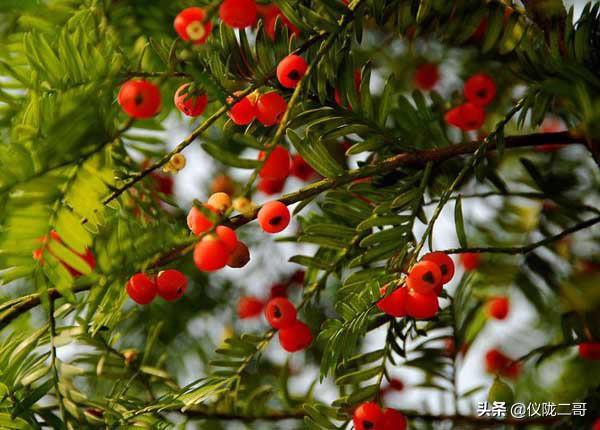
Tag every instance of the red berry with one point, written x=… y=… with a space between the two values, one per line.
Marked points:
x=395 y=304
x=425 y=277
x=271 y=13
x=190 y=104
x=480 y=89
x=596 y=425
x=498 y=308
x=368 y=416
x=470 y=260
x=228 y=237
x=249 y=307
x=396 y=384
x=444 y=262
x=141 y=289
x=273 y=217
x=171 y=284
x=163 y=184
x=290 y=70
x=270 y=186
x=277 y=164
x=244 y=111
x=426 y=76
x=280 y=313
x=238 y=13
x=239 y=257
x=139 y=98
x=394 y=420
x=467 y=117
x=589 y=350
x=498 y=363
x=421 y=306
x=210 y=254
x=278 y=290
x=301 y=169
x=295 y=337
x=198 y=222
x=190 y=25
x=270 y=108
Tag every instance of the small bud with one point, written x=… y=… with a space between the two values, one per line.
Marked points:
x=244 y=206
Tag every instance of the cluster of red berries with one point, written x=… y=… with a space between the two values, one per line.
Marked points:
x=589 y=350
x=221 y=248
x=498 y=307
x=426 y=76
x=369 y=416
x=294 y=335
x=479 y=91
x=267 y=108
x=169 y=284
x=497 y=363
x=424 y=283
x=278 y=166
x=54 y=239
x=251 y=306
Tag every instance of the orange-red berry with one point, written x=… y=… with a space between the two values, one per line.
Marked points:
x=394 y=420
x=497 y=362
x=290 y=70
x=249 y=307
x=280 y=313
x=141 y=289
x=470 y=260
x=198 y=222
x=270 y=108
x=190 y=104
x=445 y=264
x=220 y=201
x=139 y=98
x=426 y=76
x=421 y=306
x=295 y=337
x=191 y=25
x=498 y=308
x=467 y=117
x=277 y=164
x=244 y=111
x=273 y=217
x=395 y=304
x=228 y=237
x=238 y=13
x=239 y=257
x=589 y=350
x=480 y=89
x=368 y=416
x=171 y=284
x=271 y=186
x=210 y=254
x=425 y=277
x=301 y=169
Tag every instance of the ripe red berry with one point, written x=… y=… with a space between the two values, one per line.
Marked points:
x=444 y=262
x=198 y=222
x=467 y=117
x=271 y=14
x=295 y=337
x=139 y=98
x=239 y=257
x=190 y=104
x=273 y=217
x=589 y=350
x=238 y=13
x=290 y=70
x=277 y=164
x=480 y=89
x=395 y=304
x=368 y=416
x=270 y=108
x=141 y=289
x=498 y=308
x=426 y=76
x=249 y=307
x=244 y=111
x=228 y=237
x=301 y=169
x=191 y=25
x=270 y=186
x=210 y=254
x=425 y=277
x=497 y=362
x=171 y=284
x=421 y=306
x=280 y=313
x=470 y=260
x=394 y=420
